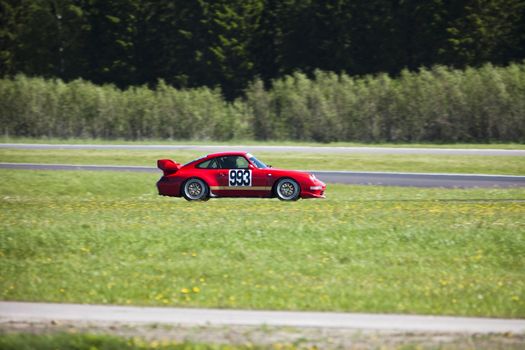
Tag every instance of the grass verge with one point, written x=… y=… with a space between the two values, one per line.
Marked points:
x=431 y=163
x=108 y=238
x=7 y=139
x=87 y=341
x=22 y=341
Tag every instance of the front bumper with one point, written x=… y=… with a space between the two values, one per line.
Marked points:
x=314 y=190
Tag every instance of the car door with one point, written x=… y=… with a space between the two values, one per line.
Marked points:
x=239 y=178
x=214 y=175
x=261 y=186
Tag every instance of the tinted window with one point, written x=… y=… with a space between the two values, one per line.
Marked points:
x=209 y=164
x=233 y=162
x=204 y=164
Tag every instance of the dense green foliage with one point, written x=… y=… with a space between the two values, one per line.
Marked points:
x=230 y=42
x=38 y=107
x=433 y=105
x=94 y=237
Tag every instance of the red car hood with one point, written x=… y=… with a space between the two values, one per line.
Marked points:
x=286 y=172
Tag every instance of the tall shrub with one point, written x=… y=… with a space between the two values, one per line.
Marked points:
x=440 y=104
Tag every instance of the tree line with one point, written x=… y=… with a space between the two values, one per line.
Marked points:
x=230 y=43
x=437 y=104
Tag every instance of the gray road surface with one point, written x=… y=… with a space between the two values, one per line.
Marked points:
x=255 y=149
x=42 y=312
x=38 y=166
x=344 y=177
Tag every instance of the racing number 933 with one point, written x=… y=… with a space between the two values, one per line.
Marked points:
x=240 y=177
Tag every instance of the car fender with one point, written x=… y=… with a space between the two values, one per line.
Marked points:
x=193 y=177
x=276 y=181
x=202 y=178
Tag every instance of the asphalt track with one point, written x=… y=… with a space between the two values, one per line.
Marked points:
x=285 y=149
x=45 y=312
x=344 y=177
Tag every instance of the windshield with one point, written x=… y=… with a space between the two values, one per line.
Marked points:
x=257 y=162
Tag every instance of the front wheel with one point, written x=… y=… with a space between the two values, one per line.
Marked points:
x=195 y=189
x=287 y=190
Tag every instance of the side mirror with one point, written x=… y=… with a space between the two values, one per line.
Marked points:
x=251 y=166
x=269 y=166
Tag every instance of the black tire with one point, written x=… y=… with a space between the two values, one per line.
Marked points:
x=195 y=189
x=287 y=190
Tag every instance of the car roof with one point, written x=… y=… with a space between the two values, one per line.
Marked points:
x=222 y=154
x=213 y=155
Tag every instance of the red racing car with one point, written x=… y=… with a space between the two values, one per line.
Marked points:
x=235 y=174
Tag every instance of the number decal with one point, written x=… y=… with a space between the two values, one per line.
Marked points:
x=240 y=177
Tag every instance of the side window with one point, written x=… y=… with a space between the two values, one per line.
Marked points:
x=204 y=164
x=227 y=162
x=213 y=164
x=209 y=164
x=242 y=163
x=233 y=162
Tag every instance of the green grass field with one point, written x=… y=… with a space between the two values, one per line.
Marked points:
x=92 y=237
x=466 y=164
x=95 y=342
x=5 y=139
x=90 y=341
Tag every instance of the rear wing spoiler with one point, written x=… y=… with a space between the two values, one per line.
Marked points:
x=168 y=166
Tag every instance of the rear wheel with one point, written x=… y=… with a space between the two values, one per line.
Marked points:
x=287 y=190
x=195 y=189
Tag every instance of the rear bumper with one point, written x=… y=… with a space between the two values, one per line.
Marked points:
x=169 y=187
